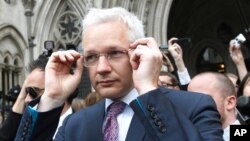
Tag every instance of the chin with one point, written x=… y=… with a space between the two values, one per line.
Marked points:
x=111 y=93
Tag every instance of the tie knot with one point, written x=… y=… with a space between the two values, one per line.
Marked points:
x=116 y=108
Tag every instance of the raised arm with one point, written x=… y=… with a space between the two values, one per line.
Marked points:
x=146 y=61
x=59 y=81
x=238 y=59
x=176 y=52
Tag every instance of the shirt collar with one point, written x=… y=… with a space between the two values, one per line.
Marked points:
x=133 y=94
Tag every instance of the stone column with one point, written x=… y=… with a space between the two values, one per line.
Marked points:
x=29 y=5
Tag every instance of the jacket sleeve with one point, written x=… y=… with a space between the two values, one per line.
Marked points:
x=162 y=117
x=38 y=126
x=12 y=122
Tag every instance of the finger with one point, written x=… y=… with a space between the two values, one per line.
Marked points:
x=172 y=40
x=176 y=45
x=135 y=56
x=67 y=56
x=149 y=42
x=59 y=56
x=71 y=57
x=75 y=54
x=79 y=67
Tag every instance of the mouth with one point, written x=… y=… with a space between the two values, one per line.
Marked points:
x=105 y=83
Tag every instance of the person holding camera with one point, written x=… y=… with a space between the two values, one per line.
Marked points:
x=176 y=53
x=238 y=58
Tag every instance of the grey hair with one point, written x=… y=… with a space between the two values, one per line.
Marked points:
x=98 y=16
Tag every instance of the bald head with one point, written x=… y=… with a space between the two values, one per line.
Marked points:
x=221 y=89
x=212 y=83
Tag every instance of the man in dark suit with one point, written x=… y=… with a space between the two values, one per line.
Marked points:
x=123 y=68
x=32 y=87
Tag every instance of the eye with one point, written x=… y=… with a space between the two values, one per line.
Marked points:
x=115 y=53
x=91 y=57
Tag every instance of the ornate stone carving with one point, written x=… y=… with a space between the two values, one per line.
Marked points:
x=68 y=28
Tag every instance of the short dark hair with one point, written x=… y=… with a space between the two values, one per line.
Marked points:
x=174 y=79
x=39 y=63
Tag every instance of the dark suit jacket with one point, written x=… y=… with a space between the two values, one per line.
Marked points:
x=10 y=126
x=161 y=114
x=36 y=126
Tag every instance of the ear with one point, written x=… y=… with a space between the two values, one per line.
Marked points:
x=230 y=102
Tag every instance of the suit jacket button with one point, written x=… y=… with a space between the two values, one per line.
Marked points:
x=158 y=122
x=162 y=129
x=26 y=123
x=153 y=115
x=25 y=128
x=150 y=108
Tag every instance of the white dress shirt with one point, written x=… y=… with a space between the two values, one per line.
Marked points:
x=62 y=117
x=184 y=77
x=226 y=134
x=124 y=119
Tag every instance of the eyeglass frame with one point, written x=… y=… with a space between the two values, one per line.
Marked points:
x=108 y=56
x=168 y=85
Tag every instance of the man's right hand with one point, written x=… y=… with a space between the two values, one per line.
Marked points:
x=59 y=81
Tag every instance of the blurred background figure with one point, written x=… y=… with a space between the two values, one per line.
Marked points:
x=238 y=59
x=222 y=90
x=235 y=80
x=168 y=80
x=1 y=119
x=32 y=88
x=77 y=104
x=178 y=77
x=90 y=99
x=243 y=102
x=244 y=88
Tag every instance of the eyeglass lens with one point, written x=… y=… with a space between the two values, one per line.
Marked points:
x=31 y=91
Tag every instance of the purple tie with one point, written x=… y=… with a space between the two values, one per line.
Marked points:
x=110 y=126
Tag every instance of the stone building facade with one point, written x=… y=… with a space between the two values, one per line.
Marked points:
x=25 y=25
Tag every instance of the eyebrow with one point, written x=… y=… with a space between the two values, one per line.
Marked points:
x=106 y=49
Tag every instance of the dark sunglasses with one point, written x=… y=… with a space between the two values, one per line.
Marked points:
x=33 y=91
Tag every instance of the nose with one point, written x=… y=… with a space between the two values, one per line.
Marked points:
x=28 y=99
x=103 y=65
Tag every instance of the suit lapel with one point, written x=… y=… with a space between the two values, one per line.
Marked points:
x=95 y=119
x=136 y=130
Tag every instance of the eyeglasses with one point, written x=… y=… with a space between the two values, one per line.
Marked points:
x=92 y=59
x=33 y=91
x=167 y=85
